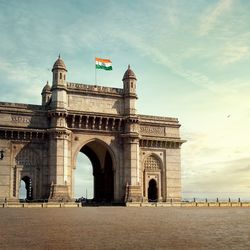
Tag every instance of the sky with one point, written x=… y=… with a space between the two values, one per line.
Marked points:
x=191 y=59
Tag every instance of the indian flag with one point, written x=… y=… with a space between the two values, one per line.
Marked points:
x=103 y=64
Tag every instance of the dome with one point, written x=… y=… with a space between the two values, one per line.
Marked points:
x=46 y=88
x=59 y=64
x=129 y=74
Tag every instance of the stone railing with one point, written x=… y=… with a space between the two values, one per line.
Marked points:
x=94 y=88
x=20 y=105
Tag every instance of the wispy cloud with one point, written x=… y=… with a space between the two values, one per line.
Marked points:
x=211 y=16
x=233 y=53
x=24 y=81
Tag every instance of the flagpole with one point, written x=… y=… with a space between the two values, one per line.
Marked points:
x=95 y=71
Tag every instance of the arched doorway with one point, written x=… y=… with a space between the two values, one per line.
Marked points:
x=103 y=173
x=152 y=190
x=27 y=183
x=22 y=191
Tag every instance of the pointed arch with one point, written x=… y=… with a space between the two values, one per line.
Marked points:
x=101 y=142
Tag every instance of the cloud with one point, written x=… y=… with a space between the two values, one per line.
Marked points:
x=229 y=179
x=233 y=53
x=23 y=81
x=211 y=16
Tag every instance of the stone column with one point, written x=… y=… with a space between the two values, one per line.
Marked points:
x=59 y=163
x=131 y=161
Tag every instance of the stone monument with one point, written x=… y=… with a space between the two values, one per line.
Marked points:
x=135 y=158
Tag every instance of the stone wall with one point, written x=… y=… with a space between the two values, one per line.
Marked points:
x=95 y=99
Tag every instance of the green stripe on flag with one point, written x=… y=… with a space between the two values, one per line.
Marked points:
x=103 y=67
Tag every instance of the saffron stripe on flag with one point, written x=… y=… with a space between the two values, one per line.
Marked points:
x=102 y=60
x=101 y=63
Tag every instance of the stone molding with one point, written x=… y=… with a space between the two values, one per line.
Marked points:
x=154 y=143
x=24 y=135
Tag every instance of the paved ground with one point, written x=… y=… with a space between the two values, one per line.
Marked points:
x=124 y=228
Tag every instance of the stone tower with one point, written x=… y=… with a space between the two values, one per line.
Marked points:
x=59 y=134
x=131 y=137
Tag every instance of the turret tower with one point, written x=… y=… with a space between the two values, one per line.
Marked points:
x=129 y=87
x=59 y=73
x=46 y=94
x=59 y=86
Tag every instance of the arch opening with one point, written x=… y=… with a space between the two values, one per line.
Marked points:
x=152 y=191
x=26 y=189
x=84 y=182
x=103 y=174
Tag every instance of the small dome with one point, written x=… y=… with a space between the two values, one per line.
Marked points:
x=129 y=74
x=59 y=64
x=46 y=88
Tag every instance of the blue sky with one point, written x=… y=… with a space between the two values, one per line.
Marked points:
x=191 y=59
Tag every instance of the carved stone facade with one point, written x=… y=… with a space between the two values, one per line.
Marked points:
x=134 y=157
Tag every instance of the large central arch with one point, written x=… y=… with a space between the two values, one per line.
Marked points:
x=103 y=169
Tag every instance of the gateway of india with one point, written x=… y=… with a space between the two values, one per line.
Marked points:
x=135 y=158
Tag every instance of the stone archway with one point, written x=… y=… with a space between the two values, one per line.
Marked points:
x=103 y=170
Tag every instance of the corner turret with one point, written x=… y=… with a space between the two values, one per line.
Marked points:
x=46 y=94
x=59 y=87
x=129 y=88
x=59 y=73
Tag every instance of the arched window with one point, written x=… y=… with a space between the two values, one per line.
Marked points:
x=60 y=75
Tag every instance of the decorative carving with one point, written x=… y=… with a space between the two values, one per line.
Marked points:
x=27 y=157
x=152 y=164
x=20 y=119
x=60 y=134
x=23 y=135
x=152 y=130
x=160 y=144
x=95 y=122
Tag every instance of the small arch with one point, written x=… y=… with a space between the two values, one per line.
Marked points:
x=152 y=190
x=60 y=75
x=22 y=191
x=28 y=186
